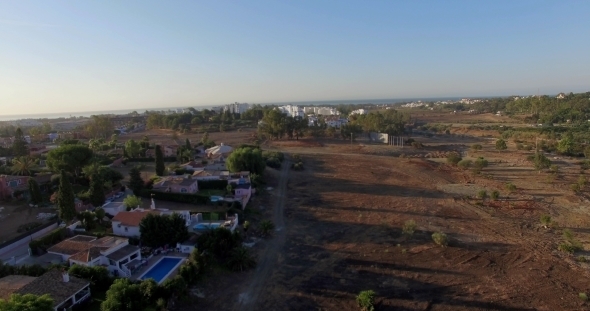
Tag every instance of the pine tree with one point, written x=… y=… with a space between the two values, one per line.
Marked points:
x=96 y=191
x=159 y=161
x=135 y=181
x=19 y=146
x=35 y=192
x=65 y=199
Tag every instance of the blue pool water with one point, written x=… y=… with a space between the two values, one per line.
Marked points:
x=159 y=271
x=206 y=226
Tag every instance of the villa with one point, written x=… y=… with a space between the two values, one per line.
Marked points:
x=114 y=253
x=65 y=290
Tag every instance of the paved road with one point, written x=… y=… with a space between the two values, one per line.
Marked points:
x=268 y=259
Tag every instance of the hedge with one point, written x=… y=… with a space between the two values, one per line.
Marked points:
x=47 y=241
x=212 y=184
x=176 y=197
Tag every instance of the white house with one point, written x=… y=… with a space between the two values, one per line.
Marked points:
x=359 y=111
x=114 y=253
x=189 y=245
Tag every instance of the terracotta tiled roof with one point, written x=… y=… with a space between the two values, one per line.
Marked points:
x=89 y=254
x=52 y=283
x=10 y=284
x=133 y=218
x=69 y=247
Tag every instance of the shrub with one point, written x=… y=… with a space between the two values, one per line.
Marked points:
x=240 y=259
x=273 y=162
x=417 y=145
x=297 y=166
x=476 y=147
x=581 y=259
x=482 y=194
x=519 y=146
x=366 y=300
x=583 y=296
x=510 y=187
x=575 y=187
x=465 y=164
x=266 y=227
x=545 y=220
x=480 y=163
x=409 y=227
x=568 y=247
x=495 y=195
x=453 y=158
x=440 y=239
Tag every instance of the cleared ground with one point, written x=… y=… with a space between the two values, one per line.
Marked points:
x=343 y=220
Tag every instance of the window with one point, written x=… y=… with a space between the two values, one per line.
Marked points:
x=182 y=190
x=12 y=183
x=126 y=229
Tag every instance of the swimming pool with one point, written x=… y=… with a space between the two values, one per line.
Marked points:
x=160 y=271
x=206 y=226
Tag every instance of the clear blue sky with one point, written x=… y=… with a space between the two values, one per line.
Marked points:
x=62 y=56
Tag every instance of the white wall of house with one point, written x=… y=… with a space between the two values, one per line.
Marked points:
x=122 y=230
x=187 y=249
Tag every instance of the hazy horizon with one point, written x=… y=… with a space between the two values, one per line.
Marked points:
x=61 y=57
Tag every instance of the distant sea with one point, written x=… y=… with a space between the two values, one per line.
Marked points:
x=141 y=110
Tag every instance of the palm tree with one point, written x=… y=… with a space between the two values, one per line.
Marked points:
x=23 y=165
x=241 y=260
x=266 y=227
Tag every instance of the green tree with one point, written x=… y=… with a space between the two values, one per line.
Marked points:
x=135 y=182
x=246 y=159
x=540 y=161
x=100 y=213
x=187 y=144
x=65 y=199
x=160 y=230
x=28 y=302
x=240 y=259
x=132 y=148
x=453 y=158
x=266 y=227
x=566 y=144
x=501 y=145
x=131 y=202
x=71 y=158
x=123 y=296
x=96 y=191
x=23 y=166
x=34 y=191
x=365 y=300
x=160 y=167
x=100 y=127
x=19 y=145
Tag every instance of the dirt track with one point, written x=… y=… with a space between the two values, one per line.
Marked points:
x=248 y=300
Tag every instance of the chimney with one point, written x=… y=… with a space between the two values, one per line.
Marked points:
x=66 y=277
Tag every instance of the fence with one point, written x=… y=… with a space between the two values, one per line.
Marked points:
x=26 y=237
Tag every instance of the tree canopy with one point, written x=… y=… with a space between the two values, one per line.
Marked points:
x=28 y=302
x=34 y=191
x=136 y=184
x=160 y=230
x=246 y=159
x=19 y=145
x=65 y=198
x=160 y=167
x=70 y=158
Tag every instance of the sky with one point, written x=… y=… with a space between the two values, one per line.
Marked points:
x=71 y=56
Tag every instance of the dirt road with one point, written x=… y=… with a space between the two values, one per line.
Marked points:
x=268 y=259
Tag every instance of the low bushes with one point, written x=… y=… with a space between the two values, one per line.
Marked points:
x=409 y=227
x=212 y=184
x=453 y=158
x=366 y=300
x=440 y=239
x=273 y=158
x=297 y=163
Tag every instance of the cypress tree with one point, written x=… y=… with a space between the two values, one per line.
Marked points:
x=65 y=198
x=35 y=192
x=187 y=144
x=159 y=161
x=96 y=191
x=135 y=181
x=19 y=146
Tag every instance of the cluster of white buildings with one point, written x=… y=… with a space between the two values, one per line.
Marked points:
x=292 y=110
x=232 y=108
x=321 y=111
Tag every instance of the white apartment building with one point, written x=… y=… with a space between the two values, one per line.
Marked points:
x=359 y=111
x=292 y=110
x=323 y=111
x=236 y=107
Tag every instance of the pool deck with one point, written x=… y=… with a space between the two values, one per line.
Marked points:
x=152 y=261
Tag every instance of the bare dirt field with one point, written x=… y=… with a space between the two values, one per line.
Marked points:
x=343 y=217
